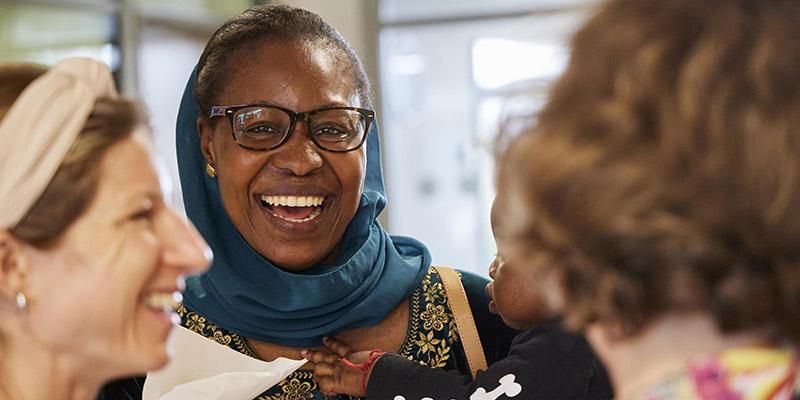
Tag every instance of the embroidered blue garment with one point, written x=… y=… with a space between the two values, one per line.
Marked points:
x=246 y=294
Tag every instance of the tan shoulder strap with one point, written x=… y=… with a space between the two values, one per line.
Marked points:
x=459 y=305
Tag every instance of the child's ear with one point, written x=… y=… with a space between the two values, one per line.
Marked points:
x=13 y=267
x=552 y=289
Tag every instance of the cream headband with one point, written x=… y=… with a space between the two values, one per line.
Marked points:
x=40 y=127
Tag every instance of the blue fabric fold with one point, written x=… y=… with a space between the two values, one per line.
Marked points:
x=245 y=293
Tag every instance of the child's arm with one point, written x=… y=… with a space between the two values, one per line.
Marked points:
x=379 y=375
x=337 y=370
x=543 y=364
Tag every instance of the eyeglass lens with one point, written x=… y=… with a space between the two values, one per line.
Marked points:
x=266 y=127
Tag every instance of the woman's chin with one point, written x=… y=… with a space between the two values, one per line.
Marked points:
x=147 y=360
x=297 y=260
x=159 y=359
x=151 y=350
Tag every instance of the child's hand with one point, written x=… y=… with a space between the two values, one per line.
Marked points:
x=333 y=374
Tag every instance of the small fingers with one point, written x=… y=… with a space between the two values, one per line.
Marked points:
x=316 y=356
x=327 y=384
x=322 y=370
x=337 y=346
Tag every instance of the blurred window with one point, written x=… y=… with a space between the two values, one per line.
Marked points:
x=46 y=34
x=133 y=37
x=224 y=8
x=453 y=74
x=416 y=11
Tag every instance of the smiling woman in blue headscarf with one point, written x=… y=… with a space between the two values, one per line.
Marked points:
x=280 y=166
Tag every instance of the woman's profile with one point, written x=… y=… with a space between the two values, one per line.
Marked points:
x=92 y=260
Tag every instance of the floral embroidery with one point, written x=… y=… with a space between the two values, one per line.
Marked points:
x=434 y=292
x=434 y=317
x=196 y=323
x=429 y=340
x=221 y=338
x=298 y=386
x=427 y=343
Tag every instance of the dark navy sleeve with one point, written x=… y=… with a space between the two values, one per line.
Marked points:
x=544 y=363
x=123 y=389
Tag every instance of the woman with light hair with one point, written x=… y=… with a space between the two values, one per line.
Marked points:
x=91 y=258
x=658 y=196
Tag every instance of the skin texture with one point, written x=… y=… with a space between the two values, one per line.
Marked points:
x=85 y=294
x=299 y=77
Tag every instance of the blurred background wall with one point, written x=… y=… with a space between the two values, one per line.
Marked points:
x=448 y=76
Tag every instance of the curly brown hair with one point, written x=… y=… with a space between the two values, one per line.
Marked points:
x=663 y=174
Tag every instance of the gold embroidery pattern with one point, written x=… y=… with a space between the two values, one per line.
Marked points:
x=297 y=386
x=430 y=344
x=198 y=324
x=434 y=317
x=431 y=335
x=195 y=323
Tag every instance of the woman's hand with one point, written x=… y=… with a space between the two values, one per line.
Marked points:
x=340 y=370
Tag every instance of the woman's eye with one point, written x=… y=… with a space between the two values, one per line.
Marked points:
x=142 y=215
x=261 y=130
x=331 y=133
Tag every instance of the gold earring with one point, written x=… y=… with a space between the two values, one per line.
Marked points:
x=210 y=171
x=22 y=301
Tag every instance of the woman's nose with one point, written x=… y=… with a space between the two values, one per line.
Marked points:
x=184 y=248
x=298 y=155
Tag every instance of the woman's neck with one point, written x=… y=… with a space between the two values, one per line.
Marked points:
x=389 y=334
x=32 y=372
x=666 y=346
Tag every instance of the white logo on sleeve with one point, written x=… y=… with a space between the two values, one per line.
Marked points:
x=507 y=387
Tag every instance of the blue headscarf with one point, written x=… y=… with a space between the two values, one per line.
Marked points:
x=246 y=294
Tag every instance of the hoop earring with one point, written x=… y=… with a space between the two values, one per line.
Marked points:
x=22 y=301
x=210 y=171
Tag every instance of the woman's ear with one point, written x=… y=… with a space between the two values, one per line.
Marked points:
x=206 y=132
x=13 y=266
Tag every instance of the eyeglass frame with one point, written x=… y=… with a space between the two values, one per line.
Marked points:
x=294 y=116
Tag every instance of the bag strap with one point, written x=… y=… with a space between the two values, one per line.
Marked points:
x=462 y=314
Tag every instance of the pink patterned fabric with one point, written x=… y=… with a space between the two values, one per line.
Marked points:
x=741 y=373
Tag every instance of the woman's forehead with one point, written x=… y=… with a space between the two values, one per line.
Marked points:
x=274 y=70
x=128 y=173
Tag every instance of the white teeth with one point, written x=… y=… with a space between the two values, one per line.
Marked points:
x=166 y=302
x=293 y=201
x=314 y=214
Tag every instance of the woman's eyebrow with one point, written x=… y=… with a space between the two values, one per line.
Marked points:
x=318 y=106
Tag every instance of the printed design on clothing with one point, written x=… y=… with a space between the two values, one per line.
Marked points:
x=431 y=335
x=508 y=388
x=759 y=373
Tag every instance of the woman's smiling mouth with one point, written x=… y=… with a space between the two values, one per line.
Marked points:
x=294 y=209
